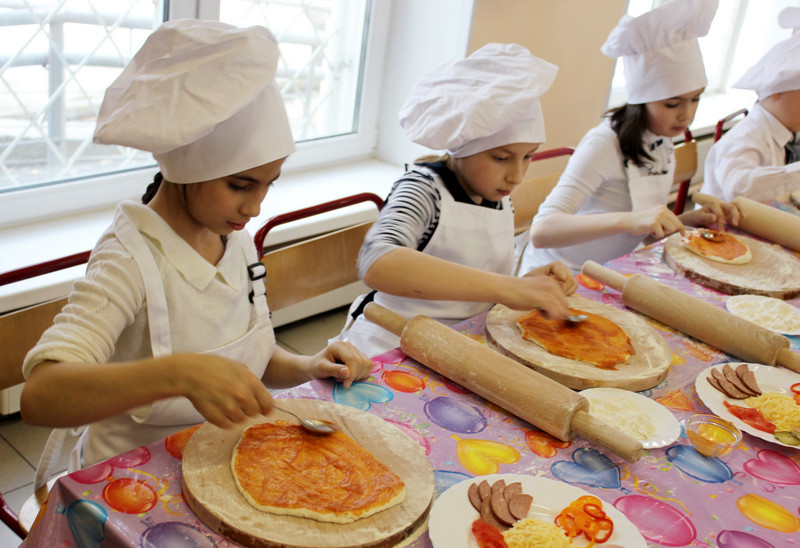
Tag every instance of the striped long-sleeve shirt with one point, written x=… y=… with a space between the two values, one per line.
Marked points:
x=411 y=213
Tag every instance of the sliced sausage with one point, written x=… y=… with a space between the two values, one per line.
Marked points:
x=484 y=490
x=715 y=383
x=749 y=379
x=500 y=508
x=727 y=387
x=474 y=497
x=734 y=379
x=488 y=515
x=499 y=485
x=519 y=505
x=512 y=489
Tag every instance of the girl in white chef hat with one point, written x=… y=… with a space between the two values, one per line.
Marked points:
x=170 y=326
x=614 y=190
x=443 y=243
x=760 y=156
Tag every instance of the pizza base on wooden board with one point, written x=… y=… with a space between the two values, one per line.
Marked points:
x=645 y=369
x=211 y=492
x=708 y=249
x=284 y=469
x=771 y=272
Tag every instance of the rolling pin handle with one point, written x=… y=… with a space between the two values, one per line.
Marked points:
x=788 y=359
x=385 y=318
x=593 y=429
x=604 y=275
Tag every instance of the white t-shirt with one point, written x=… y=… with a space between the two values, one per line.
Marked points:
x=750 y=160
x=106 y=318
x=594 y=181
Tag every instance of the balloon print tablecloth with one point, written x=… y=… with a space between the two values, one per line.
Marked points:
x=676 y=497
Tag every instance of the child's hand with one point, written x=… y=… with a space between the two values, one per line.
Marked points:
x=559 y=272
x=656 y=221
x=715 y=214
x=532 y=291
x=224 y=391
x=340 y=360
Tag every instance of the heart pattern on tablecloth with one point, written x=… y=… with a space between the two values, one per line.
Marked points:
x=772 y=466
x=588 y=467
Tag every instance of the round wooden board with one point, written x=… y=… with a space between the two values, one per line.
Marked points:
x=643 y=370
x=772 y=272
x=211 y=492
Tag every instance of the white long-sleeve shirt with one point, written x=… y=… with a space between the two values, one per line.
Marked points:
x=750 y=160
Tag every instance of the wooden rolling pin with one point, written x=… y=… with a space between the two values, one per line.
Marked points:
x=763 y=220
x=703 y=321
x=516 y=388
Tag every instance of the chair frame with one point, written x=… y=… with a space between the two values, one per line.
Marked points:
x=719 y=129
x=529 y=195
x=685 y=169
x=333 y=255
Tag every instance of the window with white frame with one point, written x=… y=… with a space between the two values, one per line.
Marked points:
x=742 y=31
x=57 y=57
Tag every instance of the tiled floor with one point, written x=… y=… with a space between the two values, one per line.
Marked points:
x=21 y=445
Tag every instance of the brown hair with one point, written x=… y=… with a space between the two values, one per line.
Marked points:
x=629 y=122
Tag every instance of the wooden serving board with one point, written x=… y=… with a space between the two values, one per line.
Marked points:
x=210 y=490
x=772 y=272
x=643 y=370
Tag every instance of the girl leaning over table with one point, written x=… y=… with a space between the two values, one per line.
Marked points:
x=443 y=244
x=170 y=326
x=613 y=192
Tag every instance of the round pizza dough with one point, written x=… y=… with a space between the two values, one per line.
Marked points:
x=772 y=272
x=645 y=369
x=767 y=312
x=744 y=258
x=210 y=490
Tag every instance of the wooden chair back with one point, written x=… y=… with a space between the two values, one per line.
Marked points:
x=300 y=271
x=685 y=169
x=528 y=196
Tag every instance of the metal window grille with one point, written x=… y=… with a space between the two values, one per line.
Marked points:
x=57 y=57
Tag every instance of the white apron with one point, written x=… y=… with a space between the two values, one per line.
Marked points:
x=649 y=190
x=466 y=234
x=164 y=417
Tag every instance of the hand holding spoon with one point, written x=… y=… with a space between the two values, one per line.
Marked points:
x=318 y=426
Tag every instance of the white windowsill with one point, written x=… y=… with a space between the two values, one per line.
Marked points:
x=34 y=243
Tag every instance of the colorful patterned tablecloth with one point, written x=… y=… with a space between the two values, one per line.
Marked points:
x=749 y=498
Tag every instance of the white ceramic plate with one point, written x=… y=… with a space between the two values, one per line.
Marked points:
x=768 y=312
x=769 y=379
x=631 y=404
x=451 y=517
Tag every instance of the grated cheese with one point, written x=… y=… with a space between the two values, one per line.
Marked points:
x=779 y=409
x=535 y=533
x=624 y=415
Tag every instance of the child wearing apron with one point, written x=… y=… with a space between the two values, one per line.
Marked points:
x=443 y=244
x=759 y=157
x=170 y=326
x=613 y=192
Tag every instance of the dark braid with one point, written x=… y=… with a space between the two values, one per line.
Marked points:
x=629 y=122
x=152 y=188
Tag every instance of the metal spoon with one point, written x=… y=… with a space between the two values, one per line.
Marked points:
x=711 y=236
x=575 y=318
x=314 y=425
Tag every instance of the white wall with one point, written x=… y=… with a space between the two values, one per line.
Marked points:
x=423 y=34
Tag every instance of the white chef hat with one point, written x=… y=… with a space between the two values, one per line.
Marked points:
x=487 y=100
x=660 y=51
x=201 y=96
x=779 y=69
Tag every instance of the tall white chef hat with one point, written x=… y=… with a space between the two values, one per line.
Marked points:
x=487 y=100
x=201 y=96
x=659 y=49
x=779 y=69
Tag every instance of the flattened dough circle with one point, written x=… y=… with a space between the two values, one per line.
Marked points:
x=645 y=369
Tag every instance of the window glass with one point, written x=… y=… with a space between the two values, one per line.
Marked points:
x=742 y=31
x=57 y=57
